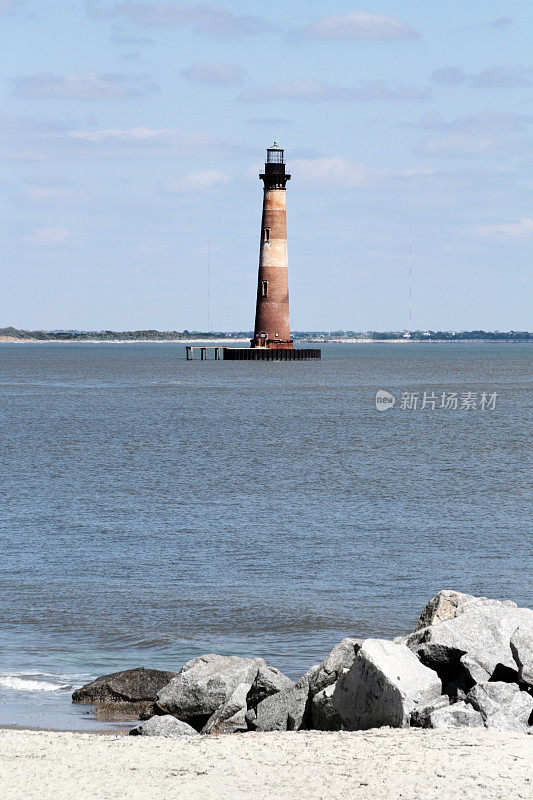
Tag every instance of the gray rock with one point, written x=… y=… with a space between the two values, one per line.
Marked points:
x=324 y=715
x=283 y=711
x=327 y=672
x=136 y=687
x=209 y=684
x=309 y=676
x=383 y=687
x=231 y=716
x=268 y=681
x=502 y=705
x=167 y=726
x=458 y=688
x=476 y=640
x=443 y=606
x=460 y=715
x=401 y=639
x=522 y=650
x=420 y=717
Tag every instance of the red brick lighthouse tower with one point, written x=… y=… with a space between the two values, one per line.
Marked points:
x=272 y=330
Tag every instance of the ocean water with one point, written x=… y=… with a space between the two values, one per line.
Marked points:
x=153 y=509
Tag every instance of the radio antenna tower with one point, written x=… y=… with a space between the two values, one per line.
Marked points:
x=410 y=279
x=209 y=288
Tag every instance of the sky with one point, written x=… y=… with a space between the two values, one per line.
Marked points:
x=133 y=132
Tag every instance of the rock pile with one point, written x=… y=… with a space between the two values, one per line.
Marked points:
x=468 y=663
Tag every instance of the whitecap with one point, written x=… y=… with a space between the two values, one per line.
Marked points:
x=20 y=683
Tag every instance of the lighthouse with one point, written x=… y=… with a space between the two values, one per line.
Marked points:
x=272 y=329
x=272 y=334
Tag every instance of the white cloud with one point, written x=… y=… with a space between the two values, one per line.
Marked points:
x=46 y=193
x=497 y=77
x=272 y=122
x=30 y=139
x=144 y=141
x=459 y=144
x=124 y=135
x=196 y=181
x=8 y=5
x=149 y=249
x=345 y=174
x=319 y=91
x=52 y=192
x=359 y=25
x=501 y=78
x=475 y=134
x=507 y=230
x=214 y=21
x=486 y=122
x=220 y=73
x=453 y=76
x=49 y=237
x=88 y=86
x=128 y=40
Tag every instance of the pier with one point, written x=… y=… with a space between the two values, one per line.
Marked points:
x=252 y=354
x=203 y=351
x=270 y=354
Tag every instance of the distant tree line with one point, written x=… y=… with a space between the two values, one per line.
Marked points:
x=108 y=336
x=422 y=336
x=162 y=336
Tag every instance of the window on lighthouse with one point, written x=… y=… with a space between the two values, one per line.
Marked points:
x=264 y=289
x=267 y=234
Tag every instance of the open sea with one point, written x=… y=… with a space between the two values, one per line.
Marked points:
x=153 y=509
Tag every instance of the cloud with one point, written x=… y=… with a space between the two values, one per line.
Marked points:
x=28 y=139
x=209 y=20
x=10 y=5
x=319 y=91
x=88 y=86
x=135 y=55
x=17 y=125
x=196 y=181
x=129 y=40
x=220 y=73
x=151 y=141
x=474 y=134
x=507 y=230
x=459 y=144
x=52 y=191
x=501 y=77
x=270 y=121
x=486 y=122
x=501 y=22
x=49 y=237
x=359 y=25
x=450 y=75
x=345 y=174
x=46 y=193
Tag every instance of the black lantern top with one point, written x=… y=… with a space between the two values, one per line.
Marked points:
x=274 y=154
x=274 y=176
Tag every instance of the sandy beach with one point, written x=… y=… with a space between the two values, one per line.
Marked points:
x=379 y=764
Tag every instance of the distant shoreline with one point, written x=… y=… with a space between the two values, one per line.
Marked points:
x=14 y=340
x=230 y=342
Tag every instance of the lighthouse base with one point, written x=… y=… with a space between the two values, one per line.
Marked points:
x=270 y=354
x=272 y=344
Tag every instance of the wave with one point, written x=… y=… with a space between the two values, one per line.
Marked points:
x=35 y=682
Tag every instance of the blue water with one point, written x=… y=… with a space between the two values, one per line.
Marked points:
x=153 y=509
